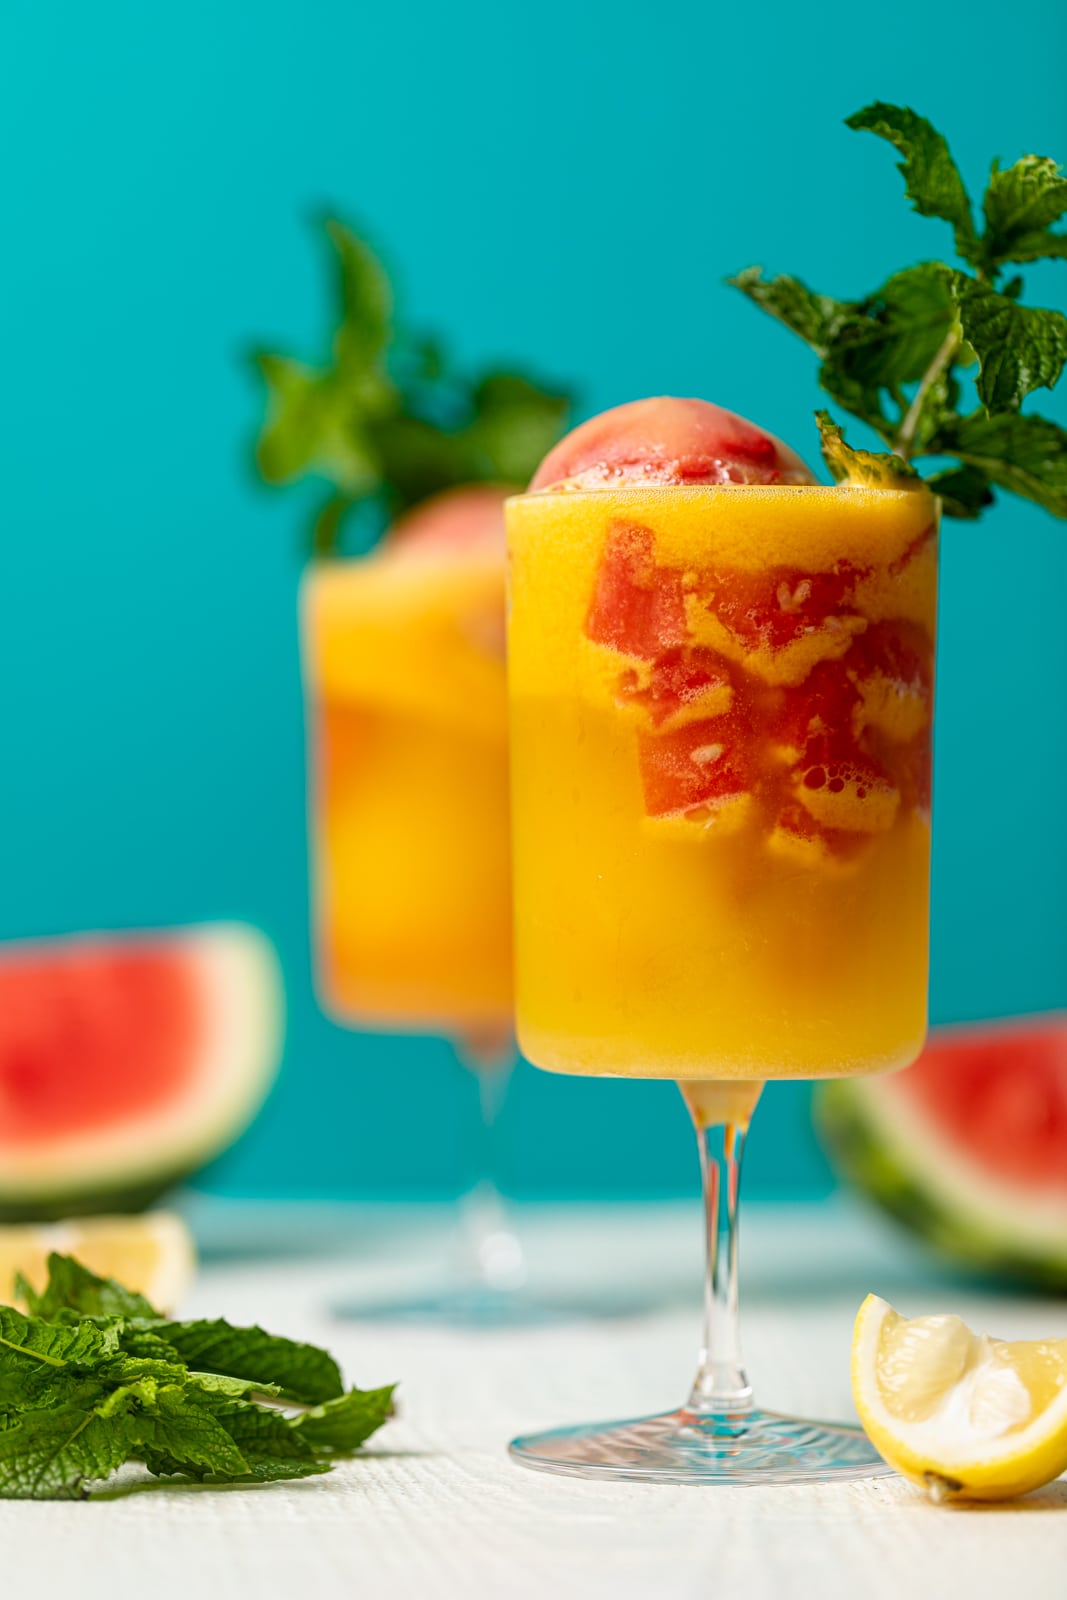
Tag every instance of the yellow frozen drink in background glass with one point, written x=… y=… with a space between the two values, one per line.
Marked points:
x=404 y=660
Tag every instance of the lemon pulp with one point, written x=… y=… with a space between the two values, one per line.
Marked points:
x=959 y=1412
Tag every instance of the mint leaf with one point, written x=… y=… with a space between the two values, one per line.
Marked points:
x=52 y=1454
x=264 y=1435
x=326 y=529
x=265 y=1440
x=880 y=343
x=862 y=468
x=366 y=301
x=32 y=1388
x=187 y=1435
x=861 y=399
x=902 y=329
x=514 y=426
x=314 y=424
x=833 y=328
x=302 y=1372
x=129 y=1371
x=1025 y=454
x=931 y=178
x=216 y=1383
x=72 y=1287
x=1020 y=203
x=816 y=318
x=318 y=418
x=964 y=492
x=420 y=459
x=139 y=1341
x=1040 y=247
x=265 y=1470
x=27 y=1344
x=289 y=442
x=1019 y=348
x=343 y=1425
x=496 y=431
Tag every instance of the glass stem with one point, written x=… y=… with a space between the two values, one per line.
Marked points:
x=493 y=1250
x=721 y=1113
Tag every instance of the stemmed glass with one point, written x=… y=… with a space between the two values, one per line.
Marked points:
x=407 y=733
x=720 y=723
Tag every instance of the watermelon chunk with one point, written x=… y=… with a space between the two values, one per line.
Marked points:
x=697 y=767
x=969 y=1146
x=681 y=685
x=826 y=701
x=127 y=1061
x=775 y=607
x=638 y=607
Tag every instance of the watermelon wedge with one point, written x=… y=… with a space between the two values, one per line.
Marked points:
x=128 y=1061
x=969 y=1146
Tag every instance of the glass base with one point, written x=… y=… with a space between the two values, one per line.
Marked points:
x=685 y=1447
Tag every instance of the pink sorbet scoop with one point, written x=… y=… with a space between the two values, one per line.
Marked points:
x=671 y=442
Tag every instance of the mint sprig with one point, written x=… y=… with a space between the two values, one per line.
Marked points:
x=386 y=420
x=93 y=1377
x=903 y=358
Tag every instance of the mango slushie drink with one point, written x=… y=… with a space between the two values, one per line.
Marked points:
x=404 y=662
x=721 y=681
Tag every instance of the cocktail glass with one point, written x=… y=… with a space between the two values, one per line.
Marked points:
x=720 y=725
x=407 y=713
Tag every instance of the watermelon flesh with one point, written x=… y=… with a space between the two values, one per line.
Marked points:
x=968 y=1147
x=126 y=1062
x=826 y=759
x=103 y=1034
x=773 y=690
x=1001 y=1095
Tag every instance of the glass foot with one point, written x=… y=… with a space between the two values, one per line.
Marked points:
x=686 y=1447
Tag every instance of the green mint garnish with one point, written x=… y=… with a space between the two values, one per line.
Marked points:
x=94 y=1377
x=386 y=421
x=902 y=358
x=872 y=468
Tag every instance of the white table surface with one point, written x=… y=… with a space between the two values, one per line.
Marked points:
x=434 y=1508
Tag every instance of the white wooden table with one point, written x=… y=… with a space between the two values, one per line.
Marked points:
x=436 y=1509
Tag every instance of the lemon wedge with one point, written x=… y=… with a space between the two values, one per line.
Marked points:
x=153 y=1254
x=963 y=1415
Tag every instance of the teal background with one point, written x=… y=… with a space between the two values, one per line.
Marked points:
x=563 y=186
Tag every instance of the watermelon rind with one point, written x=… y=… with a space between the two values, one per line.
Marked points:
x=888 y=1151
x=125 y=1167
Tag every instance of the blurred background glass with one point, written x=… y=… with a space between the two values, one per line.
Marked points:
x=562 y=193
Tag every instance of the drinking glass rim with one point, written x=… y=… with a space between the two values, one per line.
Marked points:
x=659 y=492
